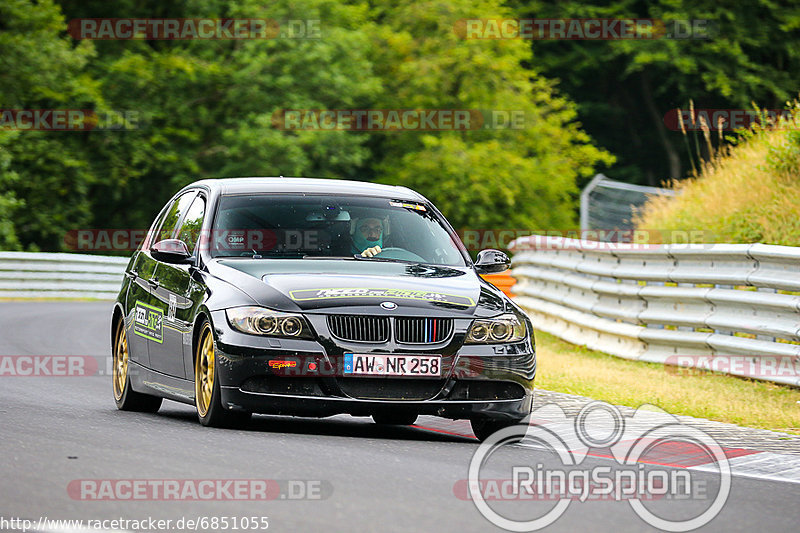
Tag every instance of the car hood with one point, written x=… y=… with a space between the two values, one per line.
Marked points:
x=361 y=286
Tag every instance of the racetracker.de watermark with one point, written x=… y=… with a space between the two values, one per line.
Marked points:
x=599 y=239
x=233 y=240
x=198 y=489
x=474 y=239
x=729 y=119
x=765 y=367
x=50 y=365
x=68 y=120
x=586 y=29
x=640 y=464
x=106 y=29
x=141 y=523
x=378 y=120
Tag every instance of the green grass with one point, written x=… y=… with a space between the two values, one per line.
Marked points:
x=749 y=193
x=564 y=367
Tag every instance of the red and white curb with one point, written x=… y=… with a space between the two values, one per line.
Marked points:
x=763 y=465
x=744 y=462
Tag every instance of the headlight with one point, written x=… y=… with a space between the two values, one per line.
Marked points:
x=505 y=328
x=263 y=321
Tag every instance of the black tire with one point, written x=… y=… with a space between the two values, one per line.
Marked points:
x=395 y=419
x=125 y=397
x=486 y=427
x=210 y=411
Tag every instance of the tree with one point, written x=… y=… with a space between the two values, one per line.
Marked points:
x=625 y=87
x=486 y=178
x=206 y=106
x=43 y=175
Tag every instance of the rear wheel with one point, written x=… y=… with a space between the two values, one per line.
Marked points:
x=486 y=427
x=210 y=411
x=395 y=419
x=125 y=397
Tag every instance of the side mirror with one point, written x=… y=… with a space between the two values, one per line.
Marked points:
x=172 y=251
x=491 y=261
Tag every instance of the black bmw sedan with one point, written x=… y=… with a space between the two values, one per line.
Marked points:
x=313 y=297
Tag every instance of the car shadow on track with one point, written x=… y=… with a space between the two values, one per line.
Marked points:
x=338 y=426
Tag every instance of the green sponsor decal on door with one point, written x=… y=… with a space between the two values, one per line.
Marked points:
x=148 y=322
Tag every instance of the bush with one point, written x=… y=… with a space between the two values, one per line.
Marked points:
x=749 y=193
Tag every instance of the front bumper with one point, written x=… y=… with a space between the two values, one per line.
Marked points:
x=237 y=399
x=304 y=378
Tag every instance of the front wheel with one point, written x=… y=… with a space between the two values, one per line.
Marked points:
x=125 y=397
x=210 y=411
x=485 y=427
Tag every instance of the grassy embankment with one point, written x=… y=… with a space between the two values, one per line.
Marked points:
x=564 y=367
x=748 y=193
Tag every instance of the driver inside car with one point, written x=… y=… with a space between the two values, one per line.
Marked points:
x=368 y=237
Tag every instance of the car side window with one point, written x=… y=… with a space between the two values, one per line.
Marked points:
x=174 y=215
x=152 y=236
x=193 y=223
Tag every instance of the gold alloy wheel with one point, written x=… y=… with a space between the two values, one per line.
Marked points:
x=120 y=362
x=204 y=371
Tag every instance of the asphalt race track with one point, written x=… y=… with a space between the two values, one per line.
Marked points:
x=360 y=476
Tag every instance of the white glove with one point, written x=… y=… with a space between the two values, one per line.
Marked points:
x=371 y=252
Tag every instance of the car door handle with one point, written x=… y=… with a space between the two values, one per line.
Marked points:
x=132 y=274
x=154 y=283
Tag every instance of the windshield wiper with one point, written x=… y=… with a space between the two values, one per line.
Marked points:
x=388 y=260
x=332 y=257
x=274 y=255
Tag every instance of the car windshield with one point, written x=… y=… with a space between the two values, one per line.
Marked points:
x=299 y=226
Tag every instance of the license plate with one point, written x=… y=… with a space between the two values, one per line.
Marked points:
x=392 y=365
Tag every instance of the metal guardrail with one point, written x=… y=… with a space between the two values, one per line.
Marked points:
x=57 y=275
x=651 y=303
x=606 y=203
x=659 y=303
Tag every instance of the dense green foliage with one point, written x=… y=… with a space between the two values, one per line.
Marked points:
x=204 y=108
x=506 y=178
x=749 y=53
x=44 y=177
x=749 y=193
